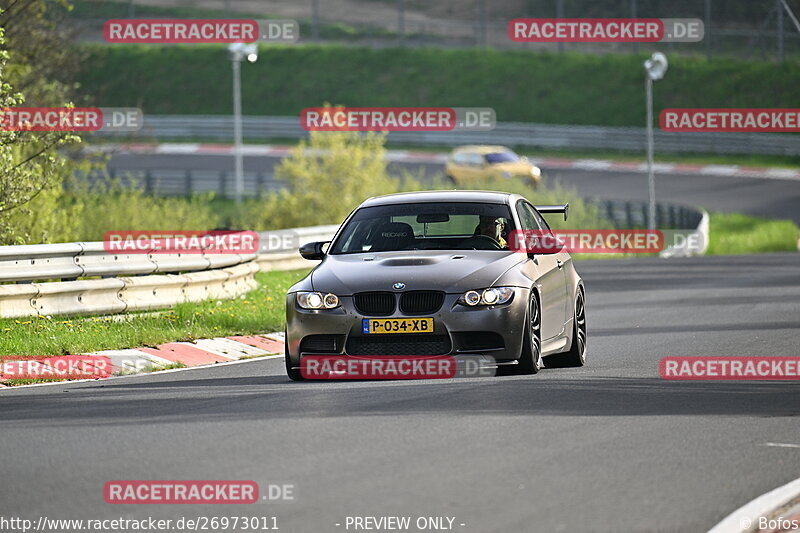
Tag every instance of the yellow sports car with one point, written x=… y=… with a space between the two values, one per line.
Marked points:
x=469 y=163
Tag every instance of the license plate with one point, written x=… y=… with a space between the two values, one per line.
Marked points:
x=397 y=325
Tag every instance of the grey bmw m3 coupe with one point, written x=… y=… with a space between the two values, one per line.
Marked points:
x=432 y=273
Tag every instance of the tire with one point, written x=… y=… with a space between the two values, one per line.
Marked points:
x=530 y=361
x=450 y=180
x=576 y=356
x=293 y=373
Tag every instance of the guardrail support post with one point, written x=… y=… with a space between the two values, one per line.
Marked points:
x=610 y=212
x=188 y=183
x=629 y=214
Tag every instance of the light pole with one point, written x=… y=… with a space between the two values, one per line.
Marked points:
x=655 y=68
x=238 y=52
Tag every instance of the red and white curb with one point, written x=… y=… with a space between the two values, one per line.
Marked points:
x=191 y=354
x=410 y=156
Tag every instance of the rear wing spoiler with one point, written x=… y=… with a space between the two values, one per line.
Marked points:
x=547 y=209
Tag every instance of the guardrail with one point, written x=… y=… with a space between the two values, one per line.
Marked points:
x=691 y=221
x=70 y=261
x=129 y=282
x=135 y=282
x=273 y=256
x=220 y=127
x=632 y=214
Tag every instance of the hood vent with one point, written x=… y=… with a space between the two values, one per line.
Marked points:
x=410 y=261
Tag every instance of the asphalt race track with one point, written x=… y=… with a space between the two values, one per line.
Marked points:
x=609 y=447
x=772 y=198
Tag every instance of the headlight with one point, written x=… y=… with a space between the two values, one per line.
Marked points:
x=490 y=296
x=317 y=300
x=535 y=172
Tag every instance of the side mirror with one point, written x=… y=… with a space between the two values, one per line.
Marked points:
x=313 y=250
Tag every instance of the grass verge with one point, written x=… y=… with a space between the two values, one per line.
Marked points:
x=734 y=233
x=261 y=310
x=551 y=88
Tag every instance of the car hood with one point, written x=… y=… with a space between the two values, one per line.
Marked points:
x=451 y=271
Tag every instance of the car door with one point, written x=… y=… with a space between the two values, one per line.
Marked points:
x=549 y=270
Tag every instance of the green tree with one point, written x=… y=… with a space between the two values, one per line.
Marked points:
x=328 y=176
x=31 y=172
x=35 y=61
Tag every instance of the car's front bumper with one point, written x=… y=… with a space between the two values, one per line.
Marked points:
x=495 y=331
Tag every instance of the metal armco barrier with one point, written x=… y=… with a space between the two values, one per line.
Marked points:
x=135 y=282
x=279 y=247
x=220 y=128
x=692 y=220
x=129 y=282
x=67 y=261
x=628 y=214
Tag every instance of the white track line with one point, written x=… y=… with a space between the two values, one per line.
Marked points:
x=745 y=517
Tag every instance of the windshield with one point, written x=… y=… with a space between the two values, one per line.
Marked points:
x=501 y=157
x=426 y=226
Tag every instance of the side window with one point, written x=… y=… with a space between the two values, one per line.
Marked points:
x=460 y=158
x=475 y=160
x=542 y=222
x=528 y=217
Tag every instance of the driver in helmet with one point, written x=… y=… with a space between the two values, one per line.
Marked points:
x=491 y=226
